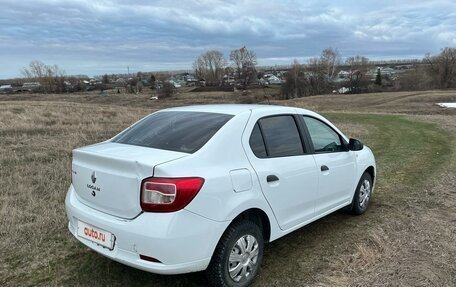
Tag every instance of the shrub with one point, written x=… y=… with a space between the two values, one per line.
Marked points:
x=166 y=90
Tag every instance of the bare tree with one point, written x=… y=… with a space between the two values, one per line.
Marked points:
x=314 y=78
x=295 y=82
x=210 y=66
x=357 y=61
x=317 y=77
x=442 y=68
x=415 y=79
x=152 y=81
x=305 y=80
x=244 y=62
x=134 y=85
x=167 y=90
x=105 y=79
x=51 y=77
x=358 y=68
x=295 y=73
x=35 y=70
x=330 y=59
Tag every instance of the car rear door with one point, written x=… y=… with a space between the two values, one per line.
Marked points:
x=335 y=165
x=286 y=171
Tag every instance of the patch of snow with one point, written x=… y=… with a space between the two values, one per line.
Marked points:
x=447 y=105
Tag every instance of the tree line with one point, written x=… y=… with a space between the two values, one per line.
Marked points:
x=318 y=75
x=212 y=66
x=51 y=77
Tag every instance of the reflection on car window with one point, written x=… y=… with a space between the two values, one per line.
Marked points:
x=177 y=131
x=281 y=136
x=324 y=138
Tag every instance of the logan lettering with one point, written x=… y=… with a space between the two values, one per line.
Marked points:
x=93 y=187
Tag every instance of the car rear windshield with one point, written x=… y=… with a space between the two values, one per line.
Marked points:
x=176 y=131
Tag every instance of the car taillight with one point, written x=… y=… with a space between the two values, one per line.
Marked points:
x=168 y=194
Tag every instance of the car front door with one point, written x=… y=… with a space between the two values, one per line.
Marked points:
x=335 y=164
x=286 y=171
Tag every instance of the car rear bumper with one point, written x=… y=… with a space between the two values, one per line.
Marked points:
x=182 y=241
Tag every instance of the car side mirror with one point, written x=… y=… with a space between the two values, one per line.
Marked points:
x=355 y=145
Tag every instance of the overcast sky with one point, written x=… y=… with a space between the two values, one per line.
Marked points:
x=96 y=37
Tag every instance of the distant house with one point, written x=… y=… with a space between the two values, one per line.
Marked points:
x=387 y=70
x=120 y=82
x=181 y=82
x=344 y=74
x=188 y=77
x=338 y=80
x=372 y=73
x=262 y=82
x=31 y=86
x=192 y=82
x=270 y=79
x=176 y=83
x=229 y=80
x=273 y=80
x=6 y=89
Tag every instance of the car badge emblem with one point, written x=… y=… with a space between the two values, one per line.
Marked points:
x=93 y=177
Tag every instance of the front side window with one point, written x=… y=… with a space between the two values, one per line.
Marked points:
x=176 y=131
x=281 y=136
x=324 y=138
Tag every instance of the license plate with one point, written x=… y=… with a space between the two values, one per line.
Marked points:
x=95 y=234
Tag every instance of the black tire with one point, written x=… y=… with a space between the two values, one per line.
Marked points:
x=217 y=272
x=358 y=205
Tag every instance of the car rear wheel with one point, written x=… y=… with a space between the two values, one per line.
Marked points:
x=238 y=255
x=363 y=194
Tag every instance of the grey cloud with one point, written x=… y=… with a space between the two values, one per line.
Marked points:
x=160 y=34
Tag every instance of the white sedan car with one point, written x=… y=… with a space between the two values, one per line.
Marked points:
x=204 y=187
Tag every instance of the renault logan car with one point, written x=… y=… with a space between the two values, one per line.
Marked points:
x=204 y=187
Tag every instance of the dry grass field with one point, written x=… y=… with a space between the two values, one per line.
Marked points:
x=407 y=238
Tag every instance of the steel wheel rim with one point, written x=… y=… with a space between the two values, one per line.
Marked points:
x=243 y=258
x=364 y=193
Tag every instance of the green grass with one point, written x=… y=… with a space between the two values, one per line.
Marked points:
x=407 y=152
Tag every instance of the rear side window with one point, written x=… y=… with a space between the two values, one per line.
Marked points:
x=257 y=143
x=176 y=131
x=281 y=136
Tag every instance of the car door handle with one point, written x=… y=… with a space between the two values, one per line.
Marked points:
x=324 y=168
x=271 y=178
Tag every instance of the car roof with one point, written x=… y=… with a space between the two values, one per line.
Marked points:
x=234 y=109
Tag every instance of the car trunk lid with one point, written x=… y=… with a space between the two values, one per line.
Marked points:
x=108 y=176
